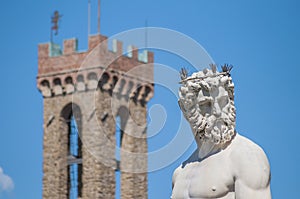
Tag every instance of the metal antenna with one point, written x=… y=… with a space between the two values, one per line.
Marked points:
x=54 y=20
x=146 y=33
x=98 y=16
x=89 y=17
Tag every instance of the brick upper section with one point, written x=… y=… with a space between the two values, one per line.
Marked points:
x=97 y=55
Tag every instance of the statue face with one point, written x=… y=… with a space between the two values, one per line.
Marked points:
x=213 y=102
x=209 y=108
x=218 y=110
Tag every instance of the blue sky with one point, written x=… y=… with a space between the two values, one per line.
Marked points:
x=260 y=38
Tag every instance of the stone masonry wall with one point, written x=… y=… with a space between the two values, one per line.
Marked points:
x=101 y=94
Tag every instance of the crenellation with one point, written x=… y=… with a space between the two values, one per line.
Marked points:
x=43 y=50
x=114 y=45
x=74 y=78
x=150 y=56
x=134 y=52
x=53 y=63
x=70 y=46
x=119 y=48
x=94 y=40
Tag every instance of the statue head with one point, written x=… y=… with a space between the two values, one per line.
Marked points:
x=206 y=99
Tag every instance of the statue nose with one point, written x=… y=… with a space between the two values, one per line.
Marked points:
x=216 y=109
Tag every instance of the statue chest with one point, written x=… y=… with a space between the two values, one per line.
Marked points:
x=207 y=179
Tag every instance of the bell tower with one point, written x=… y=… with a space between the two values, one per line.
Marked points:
x=90 y=97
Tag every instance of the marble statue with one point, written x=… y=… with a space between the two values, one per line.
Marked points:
x=225 y=164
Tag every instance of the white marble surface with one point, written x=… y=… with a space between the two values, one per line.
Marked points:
x=225 y=165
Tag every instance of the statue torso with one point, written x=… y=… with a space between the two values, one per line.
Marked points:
x=209 y=178
x=216 y=176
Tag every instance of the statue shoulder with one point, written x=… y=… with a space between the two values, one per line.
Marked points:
x=249 y=162
x=175 y=174
x=246 y=150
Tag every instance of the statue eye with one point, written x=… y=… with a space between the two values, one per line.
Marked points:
x=205 y=107
x=223 y=101
x=205 y=93
x=205 y=102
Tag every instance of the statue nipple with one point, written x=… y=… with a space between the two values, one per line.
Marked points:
x=213 y=188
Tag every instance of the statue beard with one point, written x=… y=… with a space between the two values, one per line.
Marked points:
x=209 y=128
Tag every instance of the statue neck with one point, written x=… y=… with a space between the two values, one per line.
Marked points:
x=207 y=148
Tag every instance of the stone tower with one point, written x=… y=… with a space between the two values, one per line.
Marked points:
x=94 y=88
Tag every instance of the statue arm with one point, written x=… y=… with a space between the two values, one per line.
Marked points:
x=244 y=191
x=175 y=173
x=252 y=171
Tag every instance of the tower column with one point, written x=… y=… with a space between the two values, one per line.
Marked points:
x=86 y=81
x=134 y=154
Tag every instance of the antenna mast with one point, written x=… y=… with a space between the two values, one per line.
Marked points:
x=89 y=17
x=98 y=16
x=146 y=34
x=55 y=20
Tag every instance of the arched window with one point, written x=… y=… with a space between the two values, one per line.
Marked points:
x=121 y=120
x=45 y=83
x=69 y=80
x=72 y=116
x=80 y=78
x=74 y=161
x=103 y=80
x=92 y=76
x=118 y=158
x=92 y=80
x=56 y=82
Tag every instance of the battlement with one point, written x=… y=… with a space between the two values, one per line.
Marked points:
x=53 y=59
x=65 y=71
